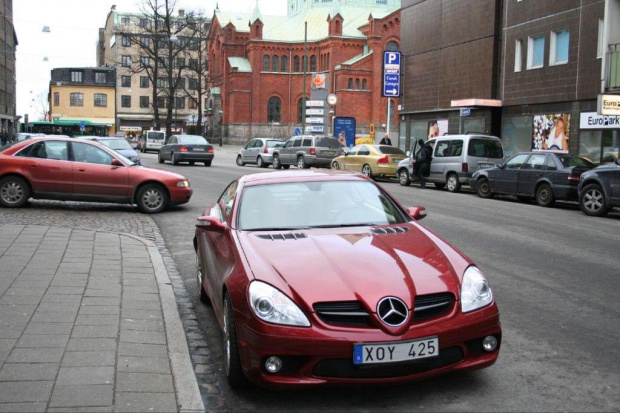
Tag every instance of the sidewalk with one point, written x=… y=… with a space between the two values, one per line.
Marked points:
x=89 y=322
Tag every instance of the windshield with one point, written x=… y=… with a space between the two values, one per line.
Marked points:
x=323 y=204
x=158 y=136
x=579 y=162
x=116 y=144
x=328 y=143
x=192 y=140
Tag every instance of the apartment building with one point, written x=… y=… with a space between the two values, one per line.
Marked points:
x=8 y=44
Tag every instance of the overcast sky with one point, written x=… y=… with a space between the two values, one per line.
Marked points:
x=74 y=27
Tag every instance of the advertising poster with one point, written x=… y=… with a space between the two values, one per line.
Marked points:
x=437 y=127
x=319 y=81
x=551 y=132
x=344 y=131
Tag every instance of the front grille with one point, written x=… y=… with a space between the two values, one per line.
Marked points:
x=283 y=237
x=432 y=305
x=389 y=230
x=345 y=313
x=344 y=368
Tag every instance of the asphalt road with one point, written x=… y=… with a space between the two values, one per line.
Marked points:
x=554 y=272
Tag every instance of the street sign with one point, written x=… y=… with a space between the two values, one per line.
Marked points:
x=314 y=120
x=465 y=112
x=315 y=103
x=297 y=131
x=82 y=126
x=391 y=73
x=314 y=128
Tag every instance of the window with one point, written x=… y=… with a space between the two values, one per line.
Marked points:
x=517 y=161
x=265 y=63
x=536 y=161
x=296 y=64
x=76 y=99
x=357 y=84
x=125 y=81
x=126 y=61
x=144 y=101
x=144 y=81
x=101 y=100
x=192 y=83
x=518 y=55
x=193 y=64
x=193 y=44
x=275 y=64
x=600 y=44
x=180 y=83
x=56 y=99
x=350 y=84
x=145 y=41
x=125 y=21
x=100 y=77
x=273 y=110
x=125 y=41
x=48 y=150
x=313 y=63
x=192 y=103
x=126 y=101
x=161 y=102
x=144 y=22
x=305 y=64
x=162 y=82
x=364 y=84
x=558 y=53
x=391 y=45
x=145 y=61
x=76 y=77
x=535 y=52
x=179 y=102
x=284 y=64
x=86 y=153
x=180 y=62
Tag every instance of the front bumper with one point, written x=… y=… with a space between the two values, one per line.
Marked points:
x=180 y=195
x=323 y=354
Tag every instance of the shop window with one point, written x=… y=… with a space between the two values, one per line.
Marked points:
x=516 y=134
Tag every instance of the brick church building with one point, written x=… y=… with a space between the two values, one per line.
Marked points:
x=257 y=65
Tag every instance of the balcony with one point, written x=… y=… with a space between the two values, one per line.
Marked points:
x=613 y=68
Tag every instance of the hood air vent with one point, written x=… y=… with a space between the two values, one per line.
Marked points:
x=389 y=230
x=283 y=237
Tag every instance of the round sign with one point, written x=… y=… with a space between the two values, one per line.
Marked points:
x=332 y=99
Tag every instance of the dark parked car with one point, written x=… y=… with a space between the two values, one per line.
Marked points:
x=544 y=176
x=69 y=169
x=120 y=145
x=321 y=277
x=186 y=148
x=599 y=189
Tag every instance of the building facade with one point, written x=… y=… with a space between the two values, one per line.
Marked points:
x=257 y=77
x=523 y=70
x=121 y=45
x=83 y=98
x=8 y=44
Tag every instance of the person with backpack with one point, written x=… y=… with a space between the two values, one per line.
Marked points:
x=423 y=162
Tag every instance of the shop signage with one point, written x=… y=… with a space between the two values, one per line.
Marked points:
x=314 y=128
x=315 y=103
x=315 y=112
x=609 y=104
x=314 y=120
x=592 y=120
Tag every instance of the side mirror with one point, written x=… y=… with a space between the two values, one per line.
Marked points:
x=116 y=162
x=210 y=223
x=417 y=213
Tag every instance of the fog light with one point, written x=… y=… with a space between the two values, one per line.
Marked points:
x=489 y=343
x=273 y=364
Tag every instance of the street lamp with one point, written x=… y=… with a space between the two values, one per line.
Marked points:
x=221 y=113
x=209 y=115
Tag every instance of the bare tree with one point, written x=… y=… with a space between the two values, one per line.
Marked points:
x=40 y=105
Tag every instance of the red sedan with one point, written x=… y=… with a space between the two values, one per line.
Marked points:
x=78 y=170
x=321 y=277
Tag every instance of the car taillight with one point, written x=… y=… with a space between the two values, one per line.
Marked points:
x=383 y=160
x=212 y=150
x=265 y=150
x=573 y=177
x=312 y=151
x=182 y=149
x=464 y=167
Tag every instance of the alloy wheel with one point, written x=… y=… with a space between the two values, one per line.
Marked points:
x=12 y=192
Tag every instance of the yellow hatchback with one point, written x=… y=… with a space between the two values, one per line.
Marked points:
x=374 y=161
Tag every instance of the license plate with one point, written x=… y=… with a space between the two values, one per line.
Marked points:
x=328 y=153
x=199 y=149
x=483 y=165
x=394 y=352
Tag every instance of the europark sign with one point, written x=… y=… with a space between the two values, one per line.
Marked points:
x=609 y=105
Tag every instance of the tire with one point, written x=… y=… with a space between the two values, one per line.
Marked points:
x=544 y=195
x=301 y=163
x=522 y=198
x=403 y=177
x=232 y=360
x=335 y=165
x=483 y=188
x=286 y=166
x=202 y=293
x=367 y=171
x=240 y=161
x=208 y=163
x=452 y=183
x=276 y=162
x=439 y=185
x=592 y=201
x=152 y=198
x=14 y=192
x=260 y=163
x=173 y=160
x=159 y=158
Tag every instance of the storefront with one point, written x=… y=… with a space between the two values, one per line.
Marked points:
x=599 y=137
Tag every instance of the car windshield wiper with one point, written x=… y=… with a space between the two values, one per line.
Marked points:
x=356 y=224
x=277 y=228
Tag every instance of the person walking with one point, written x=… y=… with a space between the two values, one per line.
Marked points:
x=3 y=137
x=423 y=162
x=386 y=140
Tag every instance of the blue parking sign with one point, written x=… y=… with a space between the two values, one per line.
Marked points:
x=391 y=73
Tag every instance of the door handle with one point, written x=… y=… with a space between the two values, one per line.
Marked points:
x=33 y=165
x=81 y=169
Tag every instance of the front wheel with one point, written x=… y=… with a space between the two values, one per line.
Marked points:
x=160 y=159
x=592 y=201
x=483 y=188
x=240 y=161
x=152 y=198
x=335 y=165
x=234 y=371
x=14 y=192
x=544 y=195
x=453 y=184
x=301 y=163
x=403 y=177
x=367 y=171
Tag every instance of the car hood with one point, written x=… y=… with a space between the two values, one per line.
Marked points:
x=155 y=173
x=354 y=265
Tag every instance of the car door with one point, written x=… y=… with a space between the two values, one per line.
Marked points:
x=246 y=153
x=440 y=156
x=505 y=178
x=349 y=158
x=94 y=175
x=288 y=152
x=166 y=150
x=530 y=174
x=360 y=158
x=48 y=168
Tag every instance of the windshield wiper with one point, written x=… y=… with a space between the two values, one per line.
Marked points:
x=277 y=229
x=356 y=224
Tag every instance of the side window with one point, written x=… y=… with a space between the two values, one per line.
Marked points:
x=516 y=161
x=551 y=166
x=536 y=161
x=353 y=151
x=307 y=142
x=456 y=148
x=441 y=149
x=83 y=152
x=297 y=143
x=289 y=143
x=249 y=144
x=48 y=150
x=258 y=144
x=363 y=151
x=173 y=140
x=227 y=199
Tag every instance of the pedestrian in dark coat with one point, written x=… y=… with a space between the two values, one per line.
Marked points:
x=3 y=137
x=423 y=163
x=386 y=140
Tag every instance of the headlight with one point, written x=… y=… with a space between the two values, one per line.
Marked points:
x=272 y=306
x=183 y=184
x=475 y=290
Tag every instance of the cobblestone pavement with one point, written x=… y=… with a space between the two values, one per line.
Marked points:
x=121 y=219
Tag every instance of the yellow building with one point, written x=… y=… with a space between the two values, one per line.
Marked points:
x=83 y=101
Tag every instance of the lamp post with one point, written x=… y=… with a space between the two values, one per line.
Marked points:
x=221 y=113
x=194 y=122
x=209 y=115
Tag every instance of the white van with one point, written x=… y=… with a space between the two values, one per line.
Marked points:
x=152 y=140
